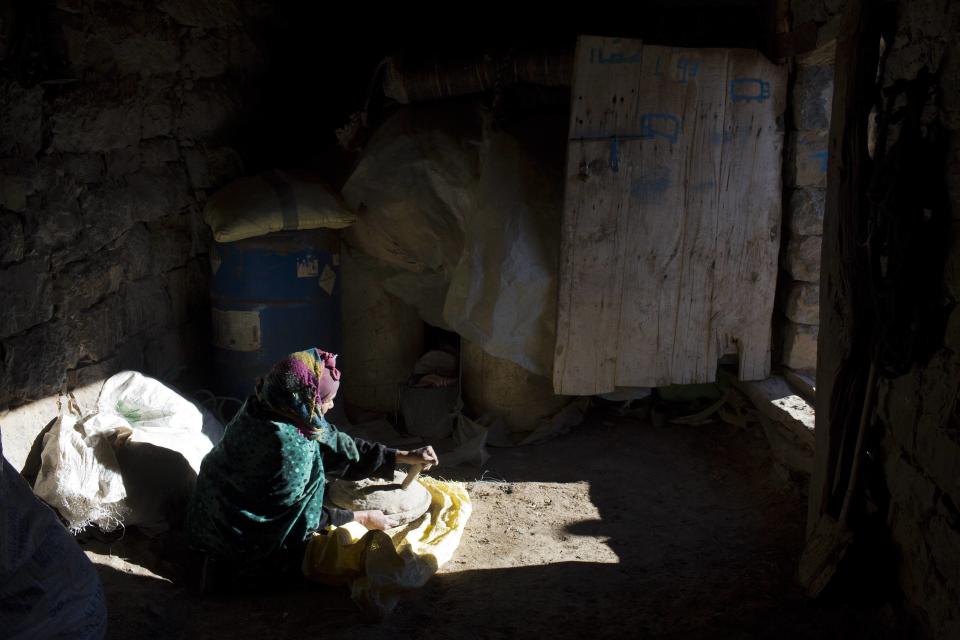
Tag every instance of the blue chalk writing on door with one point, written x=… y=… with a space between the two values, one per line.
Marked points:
x=597 y=56
x=660 y=125
x=686 y=69
x=749 y=90
x=651 y=185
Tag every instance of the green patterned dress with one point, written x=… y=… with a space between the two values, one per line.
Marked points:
x=260 y=490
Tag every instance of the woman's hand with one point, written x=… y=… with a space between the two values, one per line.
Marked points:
x=374 y=520
x=423 y=455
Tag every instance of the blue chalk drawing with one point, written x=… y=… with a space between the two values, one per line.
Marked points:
x=686 y=69
x=749 y=89
x=652 y=126
x=660 y=125
x=651 y=185
x=821 y=156
x=721 y=137
x=597 y=56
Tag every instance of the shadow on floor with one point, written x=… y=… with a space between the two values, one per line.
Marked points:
x=706 y=537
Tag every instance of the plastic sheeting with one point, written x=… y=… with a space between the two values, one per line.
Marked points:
x=503 y=293
x=468 y=219
x=380 y=567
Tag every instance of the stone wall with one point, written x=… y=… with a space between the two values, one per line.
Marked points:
x=104 y=169
x=920 y=411
x=811 y=96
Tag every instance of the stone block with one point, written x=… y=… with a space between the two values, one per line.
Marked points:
x=206 y=57
x=808 y=10
x=82 y=284
x=167 y=355
x=803 y=303
x=895 y=402
x=147 y=54
x=170 y=248
x=130 y=353
x=13 y=192
x=107 y=212
x=244 y=53
x=21 y=119
x=146 y=306
x=212 y=168
x=938 y=450
x=12 y=246
x=85 y=168
x=97 y=331
x=70 y=6
x=951 y=338
x=95 y=117
x=812 y=97
x=157 y=192
x=198 y=288
x=123 y=162
x=35 y=364
x=202 y=13
x=48 y=172
x=158 y=151
x=914 y=558
x=207 y=110
x=176 y=285
x=92 y=374
x=805 y=211
x=135 y=248
x=800 y=347
x=914 y=493
x=802 y=259
x=157 y=119
x=943 y=538
x=806 y=164
x=25 y=292
x=59 y=231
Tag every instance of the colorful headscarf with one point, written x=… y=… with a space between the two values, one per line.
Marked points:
x=298 y=385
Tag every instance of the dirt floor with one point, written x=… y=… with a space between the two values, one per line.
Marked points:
x=618 y=529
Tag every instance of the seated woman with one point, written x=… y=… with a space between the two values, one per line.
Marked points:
x=259 y=494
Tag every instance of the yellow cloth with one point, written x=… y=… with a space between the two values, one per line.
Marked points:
x=380 y=567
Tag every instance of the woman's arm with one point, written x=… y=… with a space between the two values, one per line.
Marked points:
x=375 y=461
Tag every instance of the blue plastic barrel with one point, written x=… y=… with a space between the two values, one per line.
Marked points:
x=271 y=296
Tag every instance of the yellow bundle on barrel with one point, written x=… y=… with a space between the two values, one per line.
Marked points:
x=275 y=201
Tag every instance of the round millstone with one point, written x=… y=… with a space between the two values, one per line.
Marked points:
x=404 y=505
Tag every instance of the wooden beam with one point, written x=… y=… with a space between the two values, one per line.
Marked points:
x=844 y=346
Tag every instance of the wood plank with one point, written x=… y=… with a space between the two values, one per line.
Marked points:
x=594 y=232
x=750 y=202
x=844 y=349
x=673 y=160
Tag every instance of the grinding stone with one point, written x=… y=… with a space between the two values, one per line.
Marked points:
x=386 y=495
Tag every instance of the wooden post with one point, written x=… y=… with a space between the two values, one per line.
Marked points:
x=843 y=350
